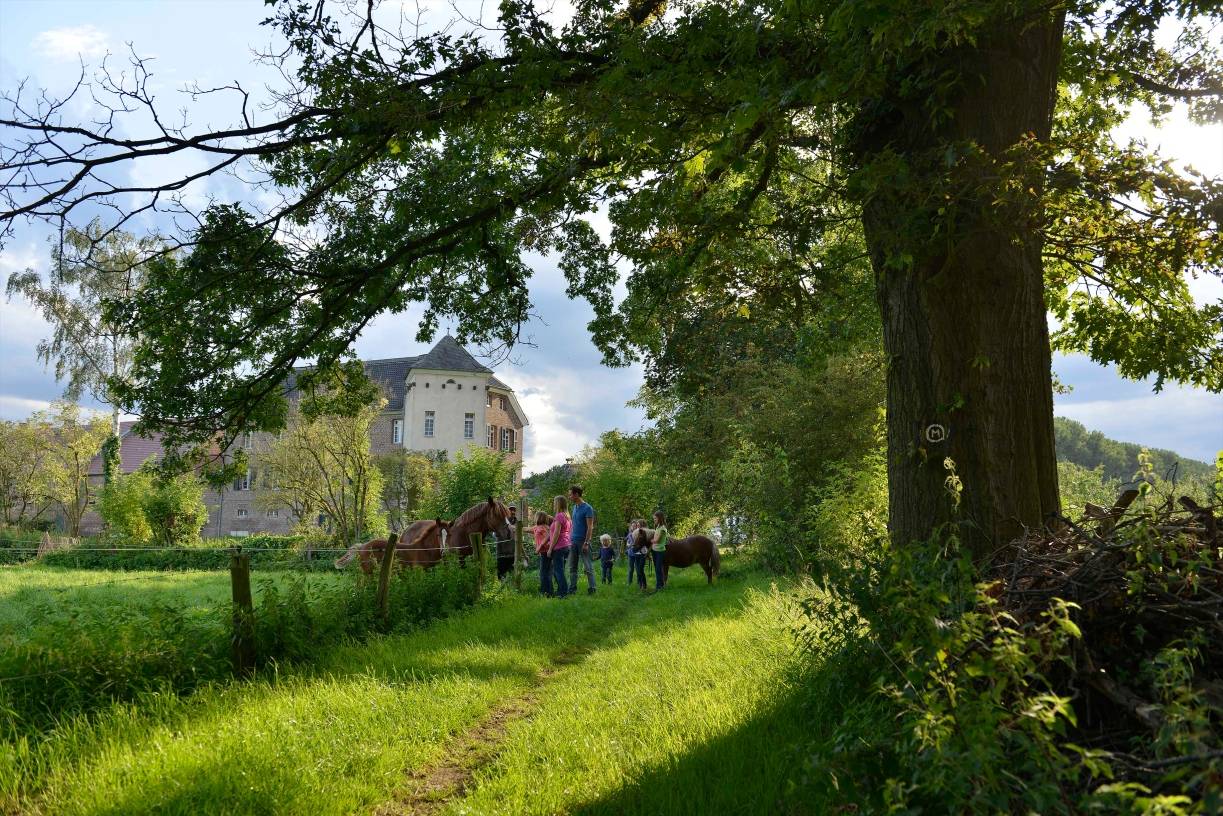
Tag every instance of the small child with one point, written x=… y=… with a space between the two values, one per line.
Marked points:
x=543 y=523
x=607 y=555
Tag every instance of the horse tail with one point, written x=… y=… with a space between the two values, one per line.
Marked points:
x=344 y=559
x=715 y=559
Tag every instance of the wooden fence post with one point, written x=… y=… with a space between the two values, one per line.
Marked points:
x=242 y=647
x=518 y=549
x=384 y=577
x=477 y=546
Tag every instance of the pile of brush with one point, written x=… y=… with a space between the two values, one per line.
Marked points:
x=1146 y=677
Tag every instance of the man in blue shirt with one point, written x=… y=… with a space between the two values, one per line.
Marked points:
x=582 y=526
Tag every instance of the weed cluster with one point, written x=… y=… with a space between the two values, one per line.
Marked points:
x=996 y=695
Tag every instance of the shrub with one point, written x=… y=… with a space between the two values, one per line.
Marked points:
x=145 y=508
x=266 y=552
x=176 y=511
x=473 y=476
x=121 y=506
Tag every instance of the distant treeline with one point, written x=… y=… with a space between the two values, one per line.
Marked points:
x=1092 y=449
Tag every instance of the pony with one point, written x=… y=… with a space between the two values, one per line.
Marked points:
x=424 y=543
x=418 y=538
x=684 y=552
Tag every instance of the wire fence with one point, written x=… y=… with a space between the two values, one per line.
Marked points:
x=236 y=594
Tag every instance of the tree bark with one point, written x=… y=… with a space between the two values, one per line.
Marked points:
x=960 y=287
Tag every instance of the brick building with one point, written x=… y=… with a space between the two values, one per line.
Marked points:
x=444 y=400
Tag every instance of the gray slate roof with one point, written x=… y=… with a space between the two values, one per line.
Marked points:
x=392 y=372
x=448 y=355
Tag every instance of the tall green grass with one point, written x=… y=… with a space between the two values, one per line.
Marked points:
x=676 y=706
x=684 y=709
x=81 y=649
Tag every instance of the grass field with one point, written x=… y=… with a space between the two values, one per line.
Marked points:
x=31 y=592
x=668 y=703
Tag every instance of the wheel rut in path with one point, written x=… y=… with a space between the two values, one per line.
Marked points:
x=432 y=787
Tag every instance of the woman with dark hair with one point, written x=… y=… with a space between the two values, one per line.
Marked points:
x=658 y=548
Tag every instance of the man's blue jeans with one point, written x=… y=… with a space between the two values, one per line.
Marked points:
x=632 y=566
x=659 y=557
x=578 y=553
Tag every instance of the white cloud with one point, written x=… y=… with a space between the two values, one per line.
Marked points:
x=19 y=407
x=568 y=409
x=1185 y=420
x=76 y=42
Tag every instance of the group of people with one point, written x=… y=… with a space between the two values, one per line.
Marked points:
x=564 y=539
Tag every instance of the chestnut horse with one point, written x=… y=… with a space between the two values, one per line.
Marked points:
x=491 y=516
x=418 y=538
x=423 y=545
x=684 y=552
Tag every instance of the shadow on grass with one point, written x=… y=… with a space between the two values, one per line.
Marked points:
x=746 y=771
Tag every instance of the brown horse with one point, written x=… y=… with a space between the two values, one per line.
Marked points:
x=422 y=543
x=684 y=552
x=486 y=517
x=418 y=539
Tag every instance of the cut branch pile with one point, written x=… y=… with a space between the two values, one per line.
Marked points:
x=1146 y=581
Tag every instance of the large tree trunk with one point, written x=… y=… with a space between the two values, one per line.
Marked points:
x=961 y=294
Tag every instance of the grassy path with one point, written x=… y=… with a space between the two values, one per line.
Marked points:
x=612 y=704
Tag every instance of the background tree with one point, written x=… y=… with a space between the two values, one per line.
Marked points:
x=75 y=439
x=322 y=463
x=24 y=449
x=409 y=483
x=1119 y=460
x=737 y=148
x=546 y=484
x=148 y=507
x=618 y=484
x=473 y=476
x=90 y=351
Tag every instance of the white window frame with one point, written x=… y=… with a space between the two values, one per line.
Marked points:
x=397 y=431
x=248 y=440
x=469 y=426
x=430 y=423
x=505 y=439
x=501 y=402
x=242 y=512
x=272 y=513
x=243 y=482
x=490 y=436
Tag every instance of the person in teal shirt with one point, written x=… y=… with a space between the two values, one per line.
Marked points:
x=582 y=519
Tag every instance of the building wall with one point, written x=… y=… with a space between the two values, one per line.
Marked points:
x=450 y=395
x=382 y=432
x=500 y=418
x=449 y=405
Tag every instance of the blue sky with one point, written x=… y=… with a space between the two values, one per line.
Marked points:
x=569 y=397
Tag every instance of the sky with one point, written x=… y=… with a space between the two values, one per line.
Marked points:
x=569 y=397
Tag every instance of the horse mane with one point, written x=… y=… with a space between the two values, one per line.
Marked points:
x=473 y=513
